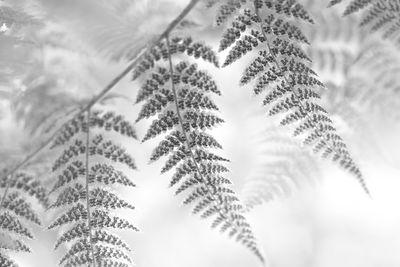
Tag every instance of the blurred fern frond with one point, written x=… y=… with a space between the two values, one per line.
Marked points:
x=17 y=213
x=354 y=5
x=179 y=94
x=286 y=166
x=380 y=15
x=281 y=69
x=336 y=42
x=376 y=70
x=86 y=175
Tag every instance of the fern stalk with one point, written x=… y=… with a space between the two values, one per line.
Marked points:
x=88 y=190
x=319 y=133
x=5 y=192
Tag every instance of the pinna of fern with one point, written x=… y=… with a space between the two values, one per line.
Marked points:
x=86 y=174
x=281 y=69
x=17 y=213
x=354 y=5
x=180 y=95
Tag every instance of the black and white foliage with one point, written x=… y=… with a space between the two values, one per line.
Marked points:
x=180 y=95
x=286 y=42
x=378 y=15
x=285 y=167
x=281 y=70
x=17 y=213
x=86 y=174
x=354 y=5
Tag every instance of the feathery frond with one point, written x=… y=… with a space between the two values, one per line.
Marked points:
x=281 y=69
x=17 y=212
x=286 y=166
x=380 y=15
x=180 y=95
x=335 y=44
x=84 y=192
x=374 y=79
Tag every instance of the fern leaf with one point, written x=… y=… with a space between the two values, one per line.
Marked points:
x=286 y=167
x=184 y=120
x=20 y=207
x=17 y=213
x=281 y=68
x=85 y=193
x=10 y=223
x=7 y=262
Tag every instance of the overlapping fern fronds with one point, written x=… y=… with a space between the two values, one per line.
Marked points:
x=281 y=69
x=86 y=173
x=180 y=95
x=336 y=43
x=379 y=15
x=376 y=73
x=17 y=213
x=285 y=166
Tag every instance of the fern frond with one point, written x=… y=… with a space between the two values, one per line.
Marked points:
x=183 y=118
x=281 y=69
x=285 y=166
x=17 y=213
x=86 y=194
x=373 y=81
x=336 y=44
x=378 y=16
